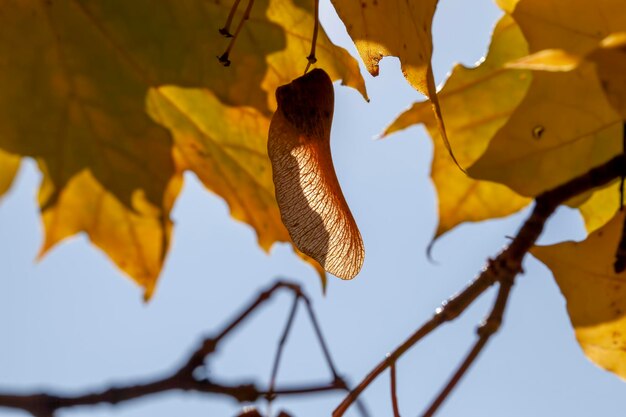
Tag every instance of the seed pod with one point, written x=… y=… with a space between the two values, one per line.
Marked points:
x=312 y=206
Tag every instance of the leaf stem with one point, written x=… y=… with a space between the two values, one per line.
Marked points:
x=485 y=331
x=394 y=394
x=502 y=269
x=226 y=29
x=311 y=58
x=224 y=58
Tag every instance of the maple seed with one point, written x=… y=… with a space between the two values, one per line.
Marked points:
x=312 y=206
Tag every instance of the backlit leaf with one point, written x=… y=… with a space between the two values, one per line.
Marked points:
x=609 y=58
x=390 y=28
x=601 y=206
x=296 y=17
x=565 y=125
x=595 y=294
x=226 y=147
x=575 y=26
x=9 y=165
x=460 y=197
x=401 y=29
x=610 y=61
x=108 y=168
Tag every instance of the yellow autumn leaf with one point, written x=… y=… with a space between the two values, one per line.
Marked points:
x=609 y=58
x=9 y=165
x=460 y=197
x=227 y=149
x=385 y=28
x=296 y=17
x=565 y=125
x=595 y=294
x=88 y=131
x=108 y=168
x=601 y=206
x=547 y=60
x=400 y=29
x=610 y=61
x=575 y=26
x=507 y=5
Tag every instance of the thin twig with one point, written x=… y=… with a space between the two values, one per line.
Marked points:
x=485 y=331
x=229 y=20
x=318 y=333
x=224 y=58
x=503 y=268
x=279 y=350
x=394 y=394
x=339 y=381
x=183 y=379
x=311 y=58
x=447 y=312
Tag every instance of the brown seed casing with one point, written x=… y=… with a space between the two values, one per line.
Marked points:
x=310 y=200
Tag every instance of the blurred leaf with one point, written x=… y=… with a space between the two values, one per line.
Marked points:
x=460 y=197
x=595 y=294
x=108 y=168
x=610 y=60
x=296 y=17
x=601 y=206
x=9 y=165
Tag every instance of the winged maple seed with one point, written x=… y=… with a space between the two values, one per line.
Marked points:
x=309 y=197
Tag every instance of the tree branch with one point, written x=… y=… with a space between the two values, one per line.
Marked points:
x=188 y=377
x=503 y=269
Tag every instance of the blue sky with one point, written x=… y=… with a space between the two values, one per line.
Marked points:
x=72 y=321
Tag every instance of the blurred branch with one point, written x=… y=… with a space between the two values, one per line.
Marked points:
x=192 y=375
x=394 y=393
x=487 y=329
x=502 y=269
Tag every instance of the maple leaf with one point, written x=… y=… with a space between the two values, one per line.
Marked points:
x=9 y=165
x=609 y=57
x=400 y=29
x=601 y=206
x=595 y=294
x=108 y=169
x=461 y=198
x=565 y=125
